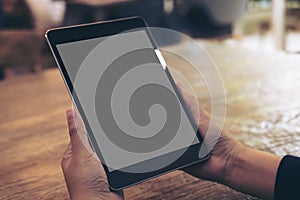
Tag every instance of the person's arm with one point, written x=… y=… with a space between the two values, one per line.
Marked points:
x=244 y=169
x=253 y=172
x=233 y=164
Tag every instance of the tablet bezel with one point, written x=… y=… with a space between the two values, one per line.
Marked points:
x=120 y=179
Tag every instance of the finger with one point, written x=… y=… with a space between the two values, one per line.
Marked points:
x=77 y=132
x=180 y=88
x=184 y=94
x=82 y=134
x=190 y=102
x=205 y=116
x=202 y=118
x=68 y=152
x=66 y=157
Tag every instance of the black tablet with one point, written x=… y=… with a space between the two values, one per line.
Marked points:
x=137 y=121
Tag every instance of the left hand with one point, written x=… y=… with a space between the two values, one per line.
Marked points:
x=84 y=174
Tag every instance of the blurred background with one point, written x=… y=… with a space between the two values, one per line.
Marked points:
x=264 y=25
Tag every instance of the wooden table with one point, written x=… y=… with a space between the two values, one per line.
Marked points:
x=263 y=110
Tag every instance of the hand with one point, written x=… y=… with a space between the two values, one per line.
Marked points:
x=84 y=174
x=223 y=153
x=239 y=167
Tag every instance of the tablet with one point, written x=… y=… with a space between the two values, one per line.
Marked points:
x=137 y=121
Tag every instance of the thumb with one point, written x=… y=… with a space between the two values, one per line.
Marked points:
x=77 y=132
x=190 y=102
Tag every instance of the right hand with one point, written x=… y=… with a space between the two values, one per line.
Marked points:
x=226 y=149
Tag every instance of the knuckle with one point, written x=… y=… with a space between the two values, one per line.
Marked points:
x=72 y=131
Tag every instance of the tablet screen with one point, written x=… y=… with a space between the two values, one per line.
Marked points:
x=128 y=99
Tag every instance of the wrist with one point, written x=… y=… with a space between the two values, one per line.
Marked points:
x=234 y=164
x=253 y=172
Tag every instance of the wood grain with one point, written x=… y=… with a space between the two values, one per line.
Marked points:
x=261 y=100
